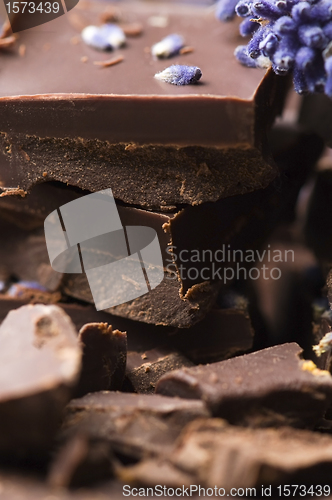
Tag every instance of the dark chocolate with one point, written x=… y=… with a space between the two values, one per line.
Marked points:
x=212 y=455
x=145 y=369
x=268 y=387
x=156 y=145
x=104 y=358
x=134 y=424
x=40 y=365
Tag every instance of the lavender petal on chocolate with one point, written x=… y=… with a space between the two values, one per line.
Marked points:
x=106 y=37
x=40 y=361
x=168 y=46
x=104 y=358
x=273 y=386
x=179 y=74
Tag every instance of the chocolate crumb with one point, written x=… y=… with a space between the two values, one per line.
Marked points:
x=22 y=50
x=75 y=40
x=186 y=50
x=7 y=42
x=132 y=29
x=84 y=59
x=109 y=62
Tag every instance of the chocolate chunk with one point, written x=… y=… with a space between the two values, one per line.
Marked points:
x=40 y=359
x=156 y=145
x=212 y=454
x=269 y=387
x=104 y=358
x=145 y=369
x=134 y=424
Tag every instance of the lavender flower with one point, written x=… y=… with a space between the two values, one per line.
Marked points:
x=106 y=37
x=179 y=75
x=324 y=345
x=168 y=47
x=18 y=289
x=295 y=36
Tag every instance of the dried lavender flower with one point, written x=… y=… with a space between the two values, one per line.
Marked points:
x=295 y=36
x=106 y=37
x=168 y=46
x=179 y=75
x=324 y=345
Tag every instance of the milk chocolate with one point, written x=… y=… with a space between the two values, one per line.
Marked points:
x=104 y=358
x=135 y=424
x=156 y=145
x=40 y=365
x=212 y=454
x=268 y=387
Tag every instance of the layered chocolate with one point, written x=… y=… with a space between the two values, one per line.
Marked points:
x=156 y=145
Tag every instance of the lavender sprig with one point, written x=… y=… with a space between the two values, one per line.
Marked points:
x=295 y=36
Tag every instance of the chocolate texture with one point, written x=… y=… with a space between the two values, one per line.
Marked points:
x=134 y=424
x=268 y=387
x=155 y=145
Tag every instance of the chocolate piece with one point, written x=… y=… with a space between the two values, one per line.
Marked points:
x=40 y=360
x=145 y=369
x=80 y=462
x=134 y=424
x=212 y=454
x=104 y=358
x=269 y=387
x=189 y=145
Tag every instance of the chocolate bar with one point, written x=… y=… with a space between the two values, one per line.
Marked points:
x=40 y=363
x=229 y=457
x=268 y=387
x=104 y=358
x=155 y=145
x=134 y=424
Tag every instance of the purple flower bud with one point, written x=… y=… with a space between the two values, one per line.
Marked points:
x=168 y=46
x=304 y=58
x=179 y=75
x=241 y=55
x=321 y=11
x=284 y=25
x=253 y=46
x=248 y=27
x=266 y=10
x=327 y=30
x=19 y=288
x=328 y=69
x=312 y=36
x=269 y=45
x=300 y=12
x=225 y=10
x=105 y=37
x=243 y=8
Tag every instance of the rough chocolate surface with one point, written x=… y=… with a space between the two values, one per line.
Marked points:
x=268 y=387
x=155 y=145
x=134 y=424
x=104 y=358
x=40 y=361
x=211 y=453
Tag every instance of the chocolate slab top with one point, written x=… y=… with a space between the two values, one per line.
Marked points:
x=125 y=103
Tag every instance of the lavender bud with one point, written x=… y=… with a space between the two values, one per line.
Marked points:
x=269 y=45
x=253 y=46
x=179 y=75
x=328 y=69
x=105 y=37
x=21 y=287
x=300 y=11
x=321 y=11
x=168 y=46
x=284 y=25
x=248 y=27
x=304 y=58
x=225 y=10
x=266 y=10
x=312 y=36
x=241 y=55
x=327 y=30
x=243 y=8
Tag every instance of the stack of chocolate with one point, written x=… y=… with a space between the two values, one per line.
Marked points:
x=148 y=391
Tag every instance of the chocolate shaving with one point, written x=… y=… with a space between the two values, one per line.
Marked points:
x=7 y=42
x=109 y=62
x=186 y=50
x=132 y=29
